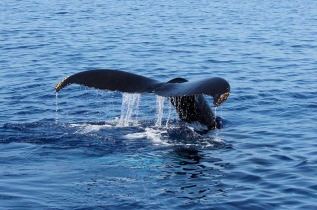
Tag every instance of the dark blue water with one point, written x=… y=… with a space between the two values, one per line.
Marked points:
x=79 y=157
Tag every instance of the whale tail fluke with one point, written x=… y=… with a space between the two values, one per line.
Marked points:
x=187 y=97
x=114 y=80
x=216 y=87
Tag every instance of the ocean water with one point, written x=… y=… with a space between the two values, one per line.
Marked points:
x=76 y=150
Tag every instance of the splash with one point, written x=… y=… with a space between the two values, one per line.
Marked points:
x=130 y=105
x=56 y=104
x=159 y=110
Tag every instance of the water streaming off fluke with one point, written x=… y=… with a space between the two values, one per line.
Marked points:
x=56 y=110
x=169 y=114
x=129 y=108
x=159 y=110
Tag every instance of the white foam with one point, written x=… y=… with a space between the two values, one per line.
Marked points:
x=135 y=135
x=196 y=126
x=155 y=135
x=88 y=128
x=218 y=140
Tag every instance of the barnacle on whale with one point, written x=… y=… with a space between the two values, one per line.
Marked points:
x=222 y=99
x=58 y=86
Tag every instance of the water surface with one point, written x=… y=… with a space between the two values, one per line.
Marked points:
x=82 y=157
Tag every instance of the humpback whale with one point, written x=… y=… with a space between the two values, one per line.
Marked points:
x=187 y=97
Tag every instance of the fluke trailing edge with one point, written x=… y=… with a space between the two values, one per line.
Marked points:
x=187 y=97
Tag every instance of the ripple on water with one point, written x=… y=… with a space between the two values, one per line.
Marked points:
x=264 y=157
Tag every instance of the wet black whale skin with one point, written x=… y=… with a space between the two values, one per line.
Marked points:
x=187 y=97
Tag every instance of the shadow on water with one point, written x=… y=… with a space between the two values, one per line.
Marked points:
x=196 y=174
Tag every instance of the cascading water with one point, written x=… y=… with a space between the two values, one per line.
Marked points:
x=130 y=102
x=169 y=114
x=215 y=117
x=56 y=104
x=137 y=108
x=217 y=130
x=159 y=110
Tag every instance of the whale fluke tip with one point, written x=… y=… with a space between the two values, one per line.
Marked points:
x=60 y=85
